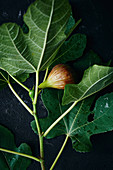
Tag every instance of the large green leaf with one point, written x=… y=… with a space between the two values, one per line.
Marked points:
x=76 y=123
x=26 y=53
x=95 y=78
x=71 y=49
x=10 y=161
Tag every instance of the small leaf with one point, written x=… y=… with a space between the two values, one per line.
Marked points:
x=4 y=79
x=70 y=50
x=85 y=62
x=22 y=77
x=10 y=161
x=94 y=79
x=70 y=25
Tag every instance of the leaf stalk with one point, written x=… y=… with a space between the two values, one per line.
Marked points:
x=60 y=118
x=21 y=154
x=22 y=85
x=21 y=101
x=36 y=89
x=60 y=152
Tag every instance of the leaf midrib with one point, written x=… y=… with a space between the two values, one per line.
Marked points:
x=46 y=36
x=78 y=112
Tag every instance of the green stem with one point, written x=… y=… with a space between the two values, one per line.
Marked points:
x=21 y=101
x=46 y=74
x=37 y=122
x=60 y=152
x=36 y=118
x=40 y=140
x=36 y=89
x=21 y=154
x=26 y=88
x=59 y=119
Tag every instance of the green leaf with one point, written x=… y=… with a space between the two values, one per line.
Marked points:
x=75 y=118
x=94 y=79
x=26 y=53
x=76 y=123
x=22 y=77
x=70 y=25
x=103 y=122
x=15 y=55
x=4 y=78
x=10 y=161
x=71 y=49
x=84 y=62
x=51 y=99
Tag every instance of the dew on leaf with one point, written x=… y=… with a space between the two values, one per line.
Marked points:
x=106 y=106
x=106 y=98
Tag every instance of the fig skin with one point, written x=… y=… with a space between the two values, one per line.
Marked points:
x=59 y=76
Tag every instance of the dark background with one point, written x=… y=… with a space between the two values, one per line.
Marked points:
x=97 y=24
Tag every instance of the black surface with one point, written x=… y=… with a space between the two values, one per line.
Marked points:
x=97 y=24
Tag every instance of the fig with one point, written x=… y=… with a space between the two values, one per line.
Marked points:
x=59 y=76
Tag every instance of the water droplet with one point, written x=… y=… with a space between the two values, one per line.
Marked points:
x=106 y=106
x=106 y=98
